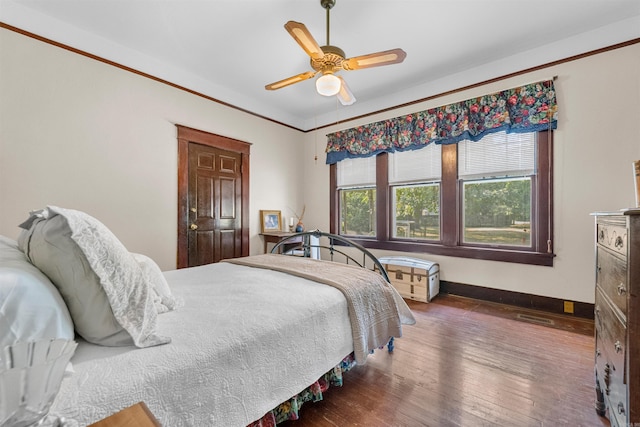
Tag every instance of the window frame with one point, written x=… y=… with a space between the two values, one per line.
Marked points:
x=540 y=253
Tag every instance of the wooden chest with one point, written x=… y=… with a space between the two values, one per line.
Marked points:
x=617 y=317
x=413 y=278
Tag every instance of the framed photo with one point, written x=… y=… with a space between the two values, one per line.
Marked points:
x=271 y=220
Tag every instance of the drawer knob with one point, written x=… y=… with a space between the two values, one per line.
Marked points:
x=618 y=243
x=597 y=352
x=622 y=289
x=617 y=346
x=620 y=408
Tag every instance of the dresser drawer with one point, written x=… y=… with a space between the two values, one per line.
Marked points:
x=611 y=276
x=612 y=234
x=605 y=380
x=610 y=357
x=613 y=389
x=610 y=327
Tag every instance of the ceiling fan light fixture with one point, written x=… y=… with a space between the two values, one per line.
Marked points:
x=328 y=85
x=329 y=59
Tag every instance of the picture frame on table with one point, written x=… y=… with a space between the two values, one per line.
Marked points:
x=270 y=220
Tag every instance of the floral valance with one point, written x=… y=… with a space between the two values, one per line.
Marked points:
x=528 y=108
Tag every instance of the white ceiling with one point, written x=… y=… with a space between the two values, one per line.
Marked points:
x=229 y=49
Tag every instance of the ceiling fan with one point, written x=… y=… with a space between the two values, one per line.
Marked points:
x=328 y=60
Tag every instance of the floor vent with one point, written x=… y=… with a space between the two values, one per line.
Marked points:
x=534 y=319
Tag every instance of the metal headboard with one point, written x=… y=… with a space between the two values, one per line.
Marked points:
x=330 y=245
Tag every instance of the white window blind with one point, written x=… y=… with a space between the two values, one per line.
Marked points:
x=424 y=164
x=359 y=172
x=497 y=155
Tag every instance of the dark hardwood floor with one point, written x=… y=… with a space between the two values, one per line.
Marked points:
x=470 y=363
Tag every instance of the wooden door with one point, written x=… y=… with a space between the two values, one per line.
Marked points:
x=215 y=206
x=213 y=194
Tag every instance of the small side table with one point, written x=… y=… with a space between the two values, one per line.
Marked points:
x=137 y=415
x=274 y=237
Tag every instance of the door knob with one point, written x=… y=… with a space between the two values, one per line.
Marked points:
x=193 y=227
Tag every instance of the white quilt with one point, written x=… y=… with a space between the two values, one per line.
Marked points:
x=222 y=367
x=376 y=309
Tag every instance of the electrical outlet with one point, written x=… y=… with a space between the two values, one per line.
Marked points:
x=568 y=307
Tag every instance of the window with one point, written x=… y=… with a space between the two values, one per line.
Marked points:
x=497 y=212
x=417 y=211
x=357 y=187
x=414 y=179
x=496 y=174
x=490 y=199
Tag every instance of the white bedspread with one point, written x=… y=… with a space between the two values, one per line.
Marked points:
x=221 y=368
x=376 y=309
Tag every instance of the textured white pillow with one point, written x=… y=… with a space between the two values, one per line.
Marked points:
x=163 y=298
x=31 y=308
x=108 y=297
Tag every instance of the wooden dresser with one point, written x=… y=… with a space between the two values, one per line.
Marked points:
x=617 y=316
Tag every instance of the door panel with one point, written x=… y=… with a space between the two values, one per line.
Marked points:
x=227 y=198
x=228 y=241
x=202 y=244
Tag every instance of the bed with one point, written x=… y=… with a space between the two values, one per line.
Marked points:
x=229 y=342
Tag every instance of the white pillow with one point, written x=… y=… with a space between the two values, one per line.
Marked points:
x=163 y=298
x=31 y=308
x=108 y=297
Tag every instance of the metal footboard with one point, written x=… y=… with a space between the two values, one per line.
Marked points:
x=331 y=247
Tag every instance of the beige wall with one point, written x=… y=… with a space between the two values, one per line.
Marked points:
x=597 y=138
x=81 y=134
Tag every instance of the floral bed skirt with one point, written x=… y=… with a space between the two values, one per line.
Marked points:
x=289 y=410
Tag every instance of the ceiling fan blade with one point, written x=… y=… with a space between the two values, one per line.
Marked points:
x=290 y=80
x=388 y=57
x=304 y=38
x=345 y=95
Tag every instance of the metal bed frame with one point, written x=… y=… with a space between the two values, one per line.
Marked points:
x=333 y=248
